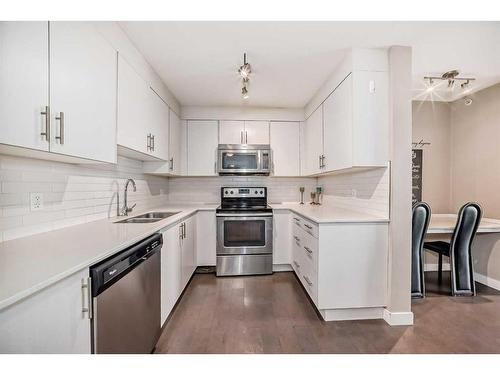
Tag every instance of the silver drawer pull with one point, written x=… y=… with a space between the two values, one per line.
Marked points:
x=307 y=280
x=87 y=298
x=296 y=219
x=296 y=238
x=46 y=133
x=308 y=226
x=60 y=137
x=296 y=264
x=308 y=250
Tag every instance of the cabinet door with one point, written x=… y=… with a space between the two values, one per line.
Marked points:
x=133 y=98
x=282 y=246
x=83 y=90
x=285 y=146
x=188 y=250
x=24 y=83
x=337 y=121
x=257 y=132
x=159 y=126
x=231 y=132
x=202 y=148
x=50 y=321
x=175 y=143
x=206 y=238
x=370 y=118
x=313 y=142
x=170 y=271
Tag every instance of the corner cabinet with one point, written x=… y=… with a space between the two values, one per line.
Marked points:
x=50 y=321
x=285 y=146
x=72 y=67
x=202 y=142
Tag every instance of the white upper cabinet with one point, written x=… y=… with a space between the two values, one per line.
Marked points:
x=158 y=126
x=132 y=108
x=176 y=144
x=370 y=118
x=285 y=147
x=243 y=132
x=24 y=84
x=82 y=92
x=202 y=142
x=337 y=118
x=231 y=132
x=257 y=132
x=313 y=143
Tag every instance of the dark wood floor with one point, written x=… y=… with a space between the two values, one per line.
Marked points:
x=271 y=314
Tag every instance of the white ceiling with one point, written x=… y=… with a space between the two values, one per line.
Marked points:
x=198 y=61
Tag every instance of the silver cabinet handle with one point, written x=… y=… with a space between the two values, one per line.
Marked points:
x=296 y=264
x=153 y=142
x=307 y=280
x=46 y=133
x=148 y=142
x=180 y=231
x=184 y=230
x=323 y=161
x=215 y=167
x=87 y=297
x=308 y=226
x=296 y=238
x=246 y=136
x=171 y=164
x=308 y=250
x=296 y=219
x=241 y=136
x=60 y=137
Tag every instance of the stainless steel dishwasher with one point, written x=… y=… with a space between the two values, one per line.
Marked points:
x=126 y=299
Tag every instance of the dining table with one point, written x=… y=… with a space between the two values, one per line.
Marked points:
x=445 y=223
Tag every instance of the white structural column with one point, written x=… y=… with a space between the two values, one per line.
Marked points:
x=398 y=310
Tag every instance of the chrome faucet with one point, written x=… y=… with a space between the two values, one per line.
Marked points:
x=125 y=209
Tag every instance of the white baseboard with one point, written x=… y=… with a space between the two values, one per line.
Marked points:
x=434 y=267
x=398 y=318
x=488 y=281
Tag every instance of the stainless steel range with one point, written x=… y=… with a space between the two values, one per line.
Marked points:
x=244 y=232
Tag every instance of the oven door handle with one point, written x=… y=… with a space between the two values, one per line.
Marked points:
x=245 y=215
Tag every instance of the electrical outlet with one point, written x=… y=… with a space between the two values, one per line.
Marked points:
x=36 y=201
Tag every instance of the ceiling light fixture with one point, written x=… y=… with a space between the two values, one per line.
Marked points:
x=244 y=71
x=450 y=76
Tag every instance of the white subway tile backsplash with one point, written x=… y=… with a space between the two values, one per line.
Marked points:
x=73 y=194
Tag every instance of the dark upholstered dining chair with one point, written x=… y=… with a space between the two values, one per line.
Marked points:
x=420 y=222
x=459 y=250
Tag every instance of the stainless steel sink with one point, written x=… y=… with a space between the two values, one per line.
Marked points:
x=149 y=217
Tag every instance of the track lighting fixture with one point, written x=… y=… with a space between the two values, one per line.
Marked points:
x=244 y=71
x=450 y=76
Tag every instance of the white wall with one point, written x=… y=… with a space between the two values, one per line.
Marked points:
x=73 y=194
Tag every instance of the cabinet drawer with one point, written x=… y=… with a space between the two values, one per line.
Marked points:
x=296 y=250
x=306 y=225
x=309 y=278
x=309 y=247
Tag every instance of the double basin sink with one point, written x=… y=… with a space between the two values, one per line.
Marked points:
x=150 y=217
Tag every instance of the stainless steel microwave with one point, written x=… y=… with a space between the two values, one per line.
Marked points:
x=244 y=159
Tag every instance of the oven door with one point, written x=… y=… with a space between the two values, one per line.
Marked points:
x=239 y=161
x=244 y=234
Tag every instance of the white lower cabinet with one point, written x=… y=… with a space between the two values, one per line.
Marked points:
x=50 y=321
x=206 y=238
x=178 y=263
x=342 y=266
x=281 y=237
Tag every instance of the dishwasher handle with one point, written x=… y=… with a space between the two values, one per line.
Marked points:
x=112 y=269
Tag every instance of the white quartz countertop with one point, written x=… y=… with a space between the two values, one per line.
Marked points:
x=32 y=263
x=445 y=223
x=324 y=214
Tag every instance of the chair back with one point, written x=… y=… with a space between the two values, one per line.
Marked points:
x=420 y=222
x=461 y=263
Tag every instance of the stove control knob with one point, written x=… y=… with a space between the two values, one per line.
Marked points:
x=256 y=192
x=225 y=192
x=232 y=192
x=261 y=192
